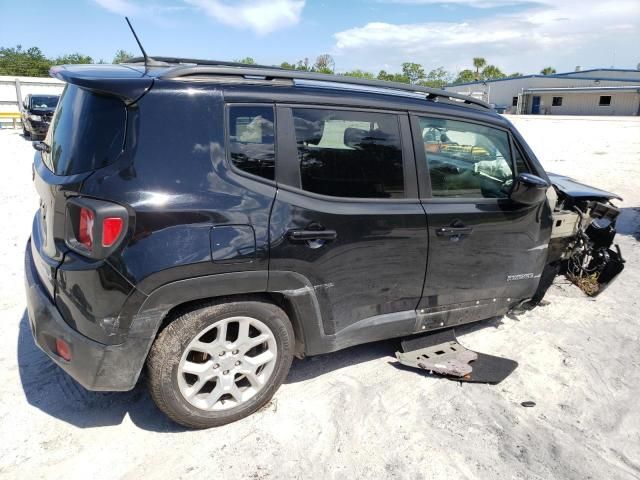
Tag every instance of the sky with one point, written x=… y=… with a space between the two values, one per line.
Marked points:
x=516 y=35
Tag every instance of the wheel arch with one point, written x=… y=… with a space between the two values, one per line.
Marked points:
x=288 y=290
x=275 y=298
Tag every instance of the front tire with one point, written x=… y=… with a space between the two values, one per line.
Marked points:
x=220 y=363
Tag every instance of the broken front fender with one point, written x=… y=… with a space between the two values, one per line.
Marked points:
x=582 y=238
x=576 y=190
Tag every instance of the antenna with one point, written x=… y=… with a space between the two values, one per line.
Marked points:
x=144 y=54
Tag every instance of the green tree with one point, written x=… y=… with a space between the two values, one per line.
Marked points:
x=491 y=72
x=303 y=65
x=393 y=77
x=27 y=63
x=73 y=58
x=515 y=74
x=122 y=56
x=246 y=61
x=413 y=71
x=436 y=78
x=465 y=76
x=548 y=71
x=478 y=63
x=359 y=74
x=324 y=64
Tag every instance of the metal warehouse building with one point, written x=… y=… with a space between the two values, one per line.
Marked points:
x=603 y=91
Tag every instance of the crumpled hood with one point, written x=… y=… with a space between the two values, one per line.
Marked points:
x=575 y=189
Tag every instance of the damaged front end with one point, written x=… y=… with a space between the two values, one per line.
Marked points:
x=584 y=227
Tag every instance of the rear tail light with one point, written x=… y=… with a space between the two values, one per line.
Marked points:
x=95 y=227
x=85 y=228
x=63 y=350
x=111 y=230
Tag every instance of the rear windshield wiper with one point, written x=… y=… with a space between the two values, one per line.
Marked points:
x=42 y=147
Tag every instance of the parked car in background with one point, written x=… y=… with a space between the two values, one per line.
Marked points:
x=37 y=111
x=212 y=221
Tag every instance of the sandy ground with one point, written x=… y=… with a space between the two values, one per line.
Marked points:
x=352 y=414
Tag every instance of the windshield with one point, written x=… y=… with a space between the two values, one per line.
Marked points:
x=44 y=101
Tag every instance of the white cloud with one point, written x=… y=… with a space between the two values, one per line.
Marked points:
x=261 y=16
x=130 y=8
x=561 y=34
x=119 y=7
x=470 y=3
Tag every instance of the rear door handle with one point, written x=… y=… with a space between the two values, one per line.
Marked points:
x=453 y=231
x=310 y=235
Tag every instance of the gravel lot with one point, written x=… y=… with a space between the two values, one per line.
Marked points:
x=352 y=413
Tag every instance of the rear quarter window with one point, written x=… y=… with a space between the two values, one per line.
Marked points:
x=87 y=132
x=251 y=140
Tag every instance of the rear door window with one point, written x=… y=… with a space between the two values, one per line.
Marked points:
x=353 y=154
x=87 y=132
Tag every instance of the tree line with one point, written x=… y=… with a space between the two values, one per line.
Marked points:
x=410 y=72
x=33 y=63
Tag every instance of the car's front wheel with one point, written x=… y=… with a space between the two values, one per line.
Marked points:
x=220 y=363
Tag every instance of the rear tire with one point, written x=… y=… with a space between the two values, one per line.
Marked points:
x=220 y=363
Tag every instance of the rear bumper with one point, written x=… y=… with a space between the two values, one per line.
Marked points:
x=94 y=365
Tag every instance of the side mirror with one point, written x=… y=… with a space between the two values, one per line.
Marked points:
x=529 y=189
x=41 y=147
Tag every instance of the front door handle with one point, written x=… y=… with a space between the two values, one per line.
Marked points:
x=453 y=231
x=311 y=235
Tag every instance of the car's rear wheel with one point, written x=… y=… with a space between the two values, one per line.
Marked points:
x=220 y=363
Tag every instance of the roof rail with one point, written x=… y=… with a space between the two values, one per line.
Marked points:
x=197 y=61
x=272 y=73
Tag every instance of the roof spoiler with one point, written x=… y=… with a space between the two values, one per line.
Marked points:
x=129 y=88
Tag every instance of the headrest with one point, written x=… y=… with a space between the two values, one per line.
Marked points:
x=308 y=131
x=355 y=137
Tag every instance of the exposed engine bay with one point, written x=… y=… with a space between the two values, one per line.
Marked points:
x=584 y=227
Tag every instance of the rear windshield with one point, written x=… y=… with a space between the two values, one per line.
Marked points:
x=86 y=133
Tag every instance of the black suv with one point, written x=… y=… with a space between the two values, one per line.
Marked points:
x=37 y=111
x=212 y=221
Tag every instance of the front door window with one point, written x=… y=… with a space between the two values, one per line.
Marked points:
x=466 y=159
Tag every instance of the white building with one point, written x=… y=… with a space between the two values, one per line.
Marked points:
x=601 y=91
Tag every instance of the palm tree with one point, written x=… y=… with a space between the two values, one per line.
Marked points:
x=478 y=62
x=491 y=72
x=548 y=71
